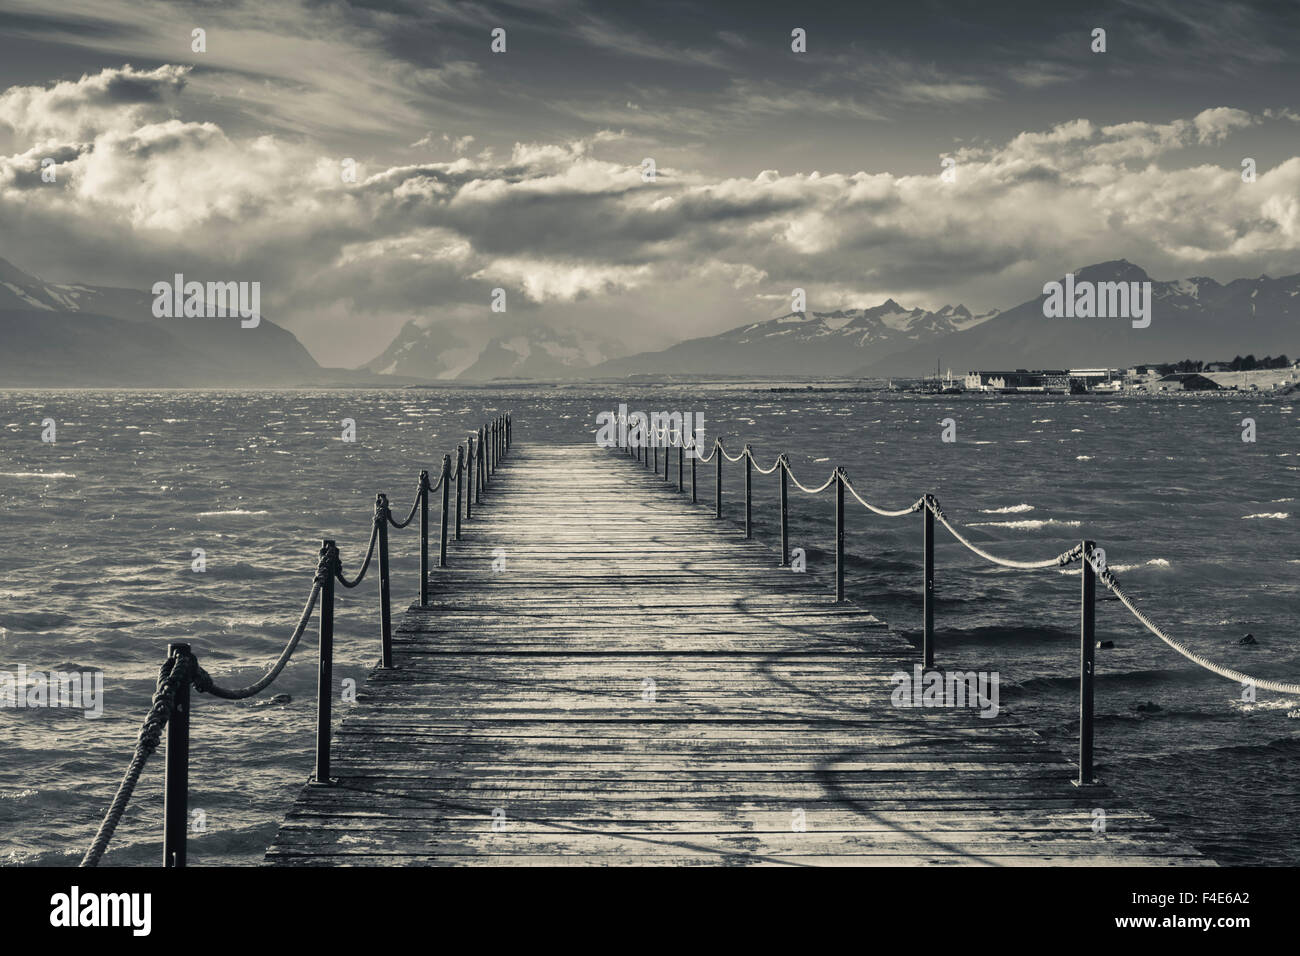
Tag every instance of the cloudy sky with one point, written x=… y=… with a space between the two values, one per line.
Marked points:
x=523 y=169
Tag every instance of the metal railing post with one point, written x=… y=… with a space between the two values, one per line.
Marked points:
x=1087 y=656
x=469 y=490
x=717 y=480
x=446 y=509
x=385 y=608
x=681 y=455
x=749 y=493
x=460 y=473
x=424 y=537
x=325 y=669
x=656 y=446
x=785 y=515
x=927 y=585
x=695 y=454
x=176 y=787
x=839 y=535
x=482 y=465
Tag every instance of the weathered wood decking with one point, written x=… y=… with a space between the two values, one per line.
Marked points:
x=526 y=693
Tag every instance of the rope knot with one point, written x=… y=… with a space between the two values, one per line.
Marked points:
x=327 y=563
x=202 y=680
x=1070 y=556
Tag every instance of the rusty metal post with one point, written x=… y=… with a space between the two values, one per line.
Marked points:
x=839 y=535
x=329 y=563
x=749 y=493
x=482 y=464
x=176 y=786
x=695 y=454
x=785 y=515
x=469 y=490
x=717 y=481
x=424 y=538
x=385 y=608
x=460 y=473
x=927 y=586
x=446 y=509
x=1087 y=661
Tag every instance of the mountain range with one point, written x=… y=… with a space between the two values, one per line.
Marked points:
x=1195 y=318
x=803 y=343
x=1191 y=318
x=437 y=351
x=70 y=334
x=74 y=334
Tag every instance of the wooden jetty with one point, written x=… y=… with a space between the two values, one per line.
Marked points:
x=606 y=674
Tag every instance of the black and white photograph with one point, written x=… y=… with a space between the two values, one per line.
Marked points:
x=571 y=434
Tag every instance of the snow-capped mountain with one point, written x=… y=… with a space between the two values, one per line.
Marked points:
x=441 y=351
x=539 y=352
x=1195 y=318
x=425 y=350
x=803 y=343
x=77 y=334
x=19 y=290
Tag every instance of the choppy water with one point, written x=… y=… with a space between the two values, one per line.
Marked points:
x=97 y=532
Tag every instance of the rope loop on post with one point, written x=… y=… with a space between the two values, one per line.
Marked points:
x=175 y=671
x=365 y=565
x=415 y=505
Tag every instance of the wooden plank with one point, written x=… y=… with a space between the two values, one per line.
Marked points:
x=642 y=685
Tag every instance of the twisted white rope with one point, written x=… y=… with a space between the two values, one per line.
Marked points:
x=920 y=503
x=1282 y=687
x=812 y=491
x=1059 y=561
x=759 y=468
x=718 y=443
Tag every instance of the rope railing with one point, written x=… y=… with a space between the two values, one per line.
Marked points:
x=170 y=705
x=928 y=507
x=415 y=505
x=342 y=578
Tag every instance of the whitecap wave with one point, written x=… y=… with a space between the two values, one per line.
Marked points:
x=1008 y=510
x=1026 y=524
x=1125 y=568
x=1277 y=515
x=231 y=511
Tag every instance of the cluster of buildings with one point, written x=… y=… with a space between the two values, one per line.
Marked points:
x=1139 y=378
x=1053 y=381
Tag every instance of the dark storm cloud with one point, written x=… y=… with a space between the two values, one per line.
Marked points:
x=523 y=171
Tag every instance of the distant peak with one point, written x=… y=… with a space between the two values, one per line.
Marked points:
x=1116 y=270
x=11 y=273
